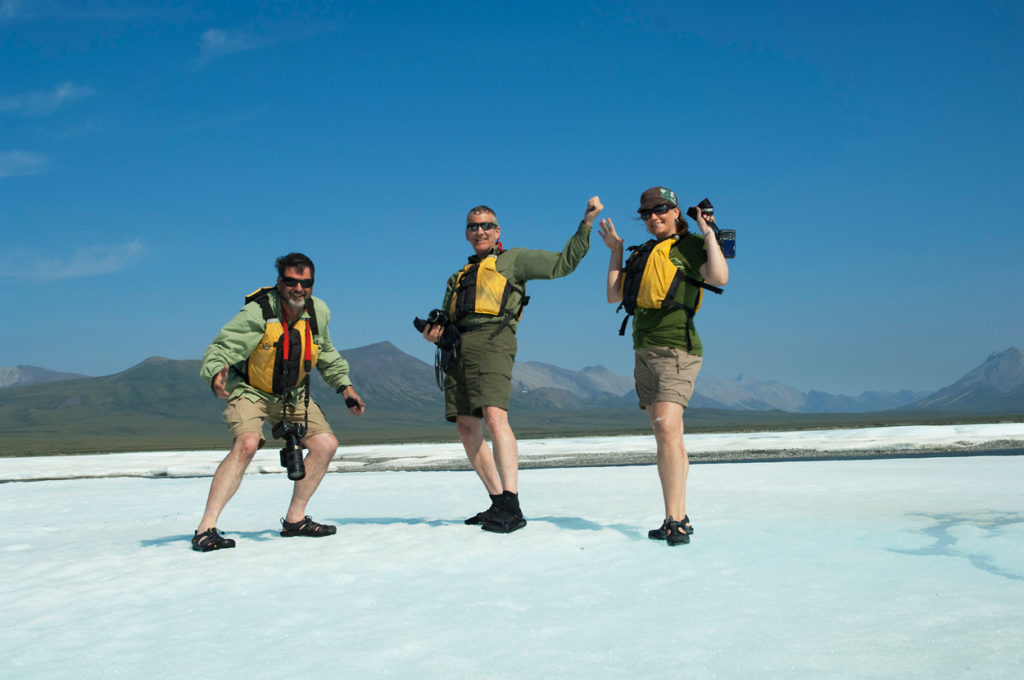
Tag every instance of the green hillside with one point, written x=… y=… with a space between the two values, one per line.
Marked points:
x=161 y=404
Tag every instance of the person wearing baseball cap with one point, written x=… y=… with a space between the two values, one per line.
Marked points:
x=667 y=350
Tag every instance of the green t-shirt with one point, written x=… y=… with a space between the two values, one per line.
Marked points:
x=667 y=327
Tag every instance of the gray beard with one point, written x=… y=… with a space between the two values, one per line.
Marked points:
x=297 y=305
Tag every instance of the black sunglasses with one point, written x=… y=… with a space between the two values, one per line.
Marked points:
x=291 y=283
x=660 y=210
x=486 y=226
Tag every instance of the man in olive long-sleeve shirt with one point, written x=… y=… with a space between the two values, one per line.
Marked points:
x=485 y=300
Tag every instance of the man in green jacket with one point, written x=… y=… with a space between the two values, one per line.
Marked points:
x=260 y=362
x=485 y=300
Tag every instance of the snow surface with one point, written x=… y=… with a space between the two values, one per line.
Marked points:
x=597 y=450
x=892 y=568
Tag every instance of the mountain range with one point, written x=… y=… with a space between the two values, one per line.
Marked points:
x=161 y=404
x=402 y=381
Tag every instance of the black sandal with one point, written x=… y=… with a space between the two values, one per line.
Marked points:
x=307 y=527
x=676 y=534
x=211 y=539
x=661 y=533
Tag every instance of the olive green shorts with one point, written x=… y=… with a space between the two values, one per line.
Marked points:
x=482 y=374
x=243 y=416
x=665 y=374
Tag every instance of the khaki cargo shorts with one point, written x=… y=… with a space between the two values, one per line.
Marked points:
x=665 y=374
x=243 y=415
x=482 y=374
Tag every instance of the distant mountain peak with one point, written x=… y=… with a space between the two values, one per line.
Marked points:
x=21 y=375
x=997 y=385
x=382 y=345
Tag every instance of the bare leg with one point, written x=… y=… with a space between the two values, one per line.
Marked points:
x=471 y=432
x=673 y=463
x=506 y=450
x=322 y=448
x=228 y=477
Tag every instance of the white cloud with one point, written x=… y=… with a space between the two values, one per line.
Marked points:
x=44 y=103
x=42 y=10
x=84 y=262
x=217 y=43
x=20 y=163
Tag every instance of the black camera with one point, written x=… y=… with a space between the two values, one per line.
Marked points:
x=291 y=453
x=436 y=317
x=450 y=338
x=447 y=345
x=726 y=237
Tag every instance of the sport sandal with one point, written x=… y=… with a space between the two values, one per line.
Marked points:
x=504 y=522
x=211 y=539
x=661 y=533
x=488 y=514
x=507 y=517
x=676 y=534
x=307 y=527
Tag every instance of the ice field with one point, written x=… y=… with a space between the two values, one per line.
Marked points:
x=891 y=568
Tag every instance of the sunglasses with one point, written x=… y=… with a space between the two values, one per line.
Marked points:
x=486 y=226
x=660 y=210
x=289 y=282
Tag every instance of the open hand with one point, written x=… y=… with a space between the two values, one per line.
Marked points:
x=608 y=234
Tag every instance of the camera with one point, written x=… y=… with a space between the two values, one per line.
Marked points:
x=291 y=453
x=436 y=317
x=450 y=337
x=447 y=345
x=726 y=237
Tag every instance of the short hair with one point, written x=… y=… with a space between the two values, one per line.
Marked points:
x=481 y=209
x=296 y=260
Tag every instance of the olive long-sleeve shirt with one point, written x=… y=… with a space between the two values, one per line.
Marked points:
x=520 y=265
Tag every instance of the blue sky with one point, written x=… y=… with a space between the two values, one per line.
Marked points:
x=156 y=157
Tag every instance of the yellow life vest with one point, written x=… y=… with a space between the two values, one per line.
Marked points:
x=481 y=289
x=651 y=280
x=286 y=353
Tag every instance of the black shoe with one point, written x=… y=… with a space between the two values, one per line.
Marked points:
x=676 y=533
x=508 y=516
x=483 y=516
x=307 y=527
x=211 y=539
x=504 y=522
x=661 y=533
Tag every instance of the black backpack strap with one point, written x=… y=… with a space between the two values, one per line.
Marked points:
x=313 y=325
x=508 y=314
x=697 y=282
x=622 y=328
x=262 y=296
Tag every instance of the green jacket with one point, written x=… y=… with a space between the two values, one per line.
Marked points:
x=240 y=336
x=520 y=265
x=667 y=327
